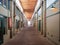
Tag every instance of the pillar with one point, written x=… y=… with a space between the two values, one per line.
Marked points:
x=34 y=22
x=12 y=17
x=20 y=21
x=37 y=20
x=59 y=28
x=14 y=22
x=2 y=2
x=44 y=18
x=7 y=18
x=59 y=23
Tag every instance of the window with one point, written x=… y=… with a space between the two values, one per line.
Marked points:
x=8 y=4
x=0 y=2
x=39 y=12
x=5 y=3
x=49 y=2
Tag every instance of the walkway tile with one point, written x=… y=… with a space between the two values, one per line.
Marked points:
x=28 y=36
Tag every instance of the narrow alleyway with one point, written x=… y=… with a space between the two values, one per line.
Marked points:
x=28 y=36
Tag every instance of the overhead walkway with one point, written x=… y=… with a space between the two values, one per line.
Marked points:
x=28 y=36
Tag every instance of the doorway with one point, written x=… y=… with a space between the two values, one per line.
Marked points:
x=2 y=28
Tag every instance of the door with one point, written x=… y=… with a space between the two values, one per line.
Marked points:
x=39 y=25
x=1 y=32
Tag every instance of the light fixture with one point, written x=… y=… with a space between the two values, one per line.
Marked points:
x=52 y=7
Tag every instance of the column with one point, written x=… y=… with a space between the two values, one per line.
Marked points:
x=34 y=22
x=12 y=17
x=14 y=26
x=37 y=20
x=44 y=19
x=59 y=21
x=59 y=27
x=2 y=2
x=7 y=19
x=20 y=21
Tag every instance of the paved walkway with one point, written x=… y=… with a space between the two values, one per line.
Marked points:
x=28 y=36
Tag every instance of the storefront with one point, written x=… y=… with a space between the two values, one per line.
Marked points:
x=2 y=27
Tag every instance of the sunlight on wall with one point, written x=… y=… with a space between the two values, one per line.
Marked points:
x=29 y=23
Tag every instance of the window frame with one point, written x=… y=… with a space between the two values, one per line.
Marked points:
x=50 y=4
x=1 y=1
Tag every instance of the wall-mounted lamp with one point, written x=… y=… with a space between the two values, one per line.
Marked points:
x=53 y=7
